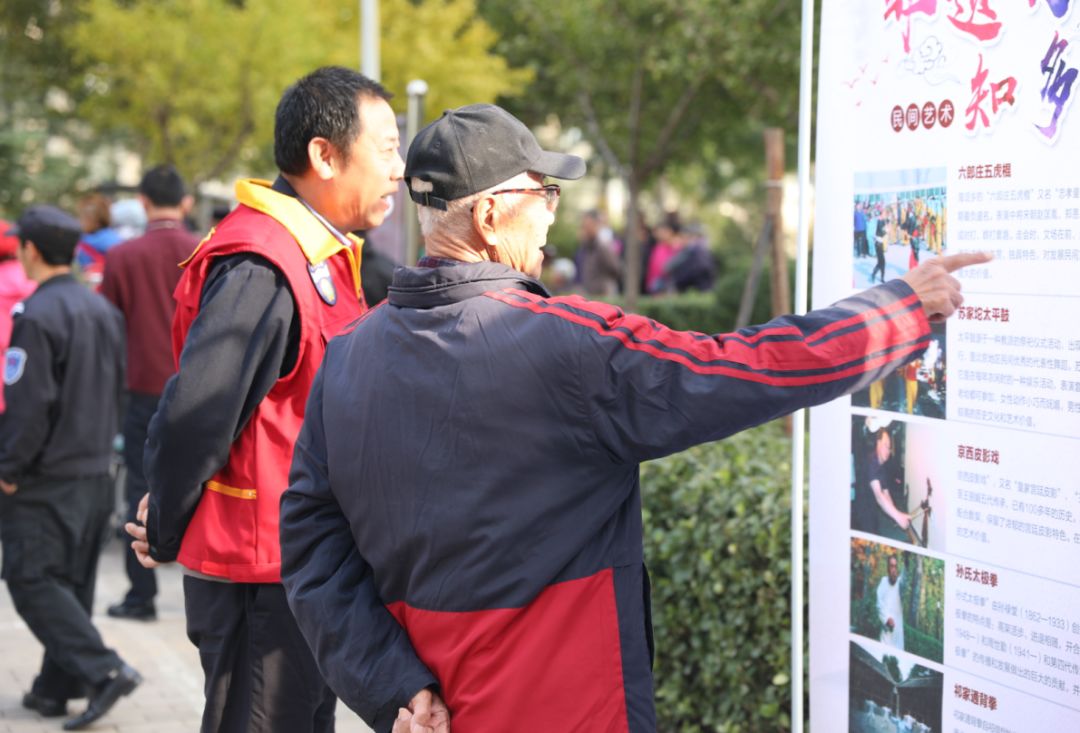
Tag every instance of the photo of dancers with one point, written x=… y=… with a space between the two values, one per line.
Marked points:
x=899 y=218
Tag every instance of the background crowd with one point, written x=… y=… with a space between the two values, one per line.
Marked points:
x=675 y=258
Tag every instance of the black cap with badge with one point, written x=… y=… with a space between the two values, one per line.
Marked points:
x=473 y=148
x=54 y=232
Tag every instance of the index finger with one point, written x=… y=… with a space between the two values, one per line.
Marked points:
x=135 y=530
x=952 y=263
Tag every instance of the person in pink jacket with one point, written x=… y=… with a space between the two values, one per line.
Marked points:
x=14 y=286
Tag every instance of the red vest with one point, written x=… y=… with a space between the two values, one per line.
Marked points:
x=234 y=532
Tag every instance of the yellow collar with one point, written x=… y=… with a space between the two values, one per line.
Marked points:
x=315 y=240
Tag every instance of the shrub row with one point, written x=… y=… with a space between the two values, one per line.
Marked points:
x=718 y=547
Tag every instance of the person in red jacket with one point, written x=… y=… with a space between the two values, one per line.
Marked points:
x=15 y=286
x=140 y=276
x=257 y=303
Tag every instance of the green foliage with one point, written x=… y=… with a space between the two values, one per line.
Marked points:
x=30 y=173
x=654 y=84
x=690 y=311
x=653 y=80
x=923 y=644
x=718 y=547
x=447 y=45
x=195 y=82
x=714 y=311
x=864 y=616
x=35 y=64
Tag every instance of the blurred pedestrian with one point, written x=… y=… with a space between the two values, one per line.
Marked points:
x=15 y=286
x=692 y=267
x=880 y=232
x=647 y=238
x=99 y=236
x=667 y=244
x=559 y=273
x=63 y=377
x=140 y=276
x=599 y=264
x=256 y=306
x=128 y=218
x=862 y=248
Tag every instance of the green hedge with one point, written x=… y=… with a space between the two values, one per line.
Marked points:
x=717 y=544
x=714 y=311
x=919 y=642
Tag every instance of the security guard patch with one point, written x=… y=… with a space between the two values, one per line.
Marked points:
x=14 y=364
x=324 y=284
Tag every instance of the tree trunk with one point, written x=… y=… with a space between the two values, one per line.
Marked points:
x=774 y=165
x=750 y=288
x=632 y=246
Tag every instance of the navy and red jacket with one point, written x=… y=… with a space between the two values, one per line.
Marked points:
x=464 y=507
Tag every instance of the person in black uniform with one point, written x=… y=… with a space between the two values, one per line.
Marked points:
x=63 y=376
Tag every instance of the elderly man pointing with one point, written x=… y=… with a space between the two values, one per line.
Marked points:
x=462 y=532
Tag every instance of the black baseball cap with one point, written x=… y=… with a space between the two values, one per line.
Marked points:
x=472 y=148
x=52 y=231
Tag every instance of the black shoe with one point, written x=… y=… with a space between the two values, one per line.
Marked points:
x=47 y=707
x=134 y=611
x=121 y=682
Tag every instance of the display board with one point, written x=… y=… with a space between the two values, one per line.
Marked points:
x=945 y=499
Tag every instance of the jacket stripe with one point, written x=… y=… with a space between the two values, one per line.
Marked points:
x=608 y=313
x=775 y=354
x=230 y=490
x=764 y=364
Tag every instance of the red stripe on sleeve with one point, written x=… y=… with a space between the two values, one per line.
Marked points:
x=611 y=313
x=902 y=330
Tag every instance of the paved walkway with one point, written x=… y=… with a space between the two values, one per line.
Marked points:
x=170 y=698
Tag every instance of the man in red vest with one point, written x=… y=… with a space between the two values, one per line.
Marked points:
x=256 y=305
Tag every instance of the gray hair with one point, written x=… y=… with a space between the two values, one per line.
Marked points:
x=456 y=223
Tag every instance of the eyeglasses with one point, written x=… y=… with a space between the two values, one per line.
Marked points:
x=550 y=192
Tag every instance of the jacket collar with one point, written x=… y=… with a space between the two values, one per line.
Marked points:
x=281 y=203
x=58 y=279
x=428 y=287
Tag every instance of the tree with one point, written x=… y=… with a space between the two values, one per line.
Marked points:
x=446 y=44
x=652 y=83
x=35 y=59
x=195 y=82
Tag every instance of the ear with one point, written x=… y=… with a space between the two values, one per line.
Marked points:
x=321 y=157
x=186 y=204
x=31 y=253
x=484 y=221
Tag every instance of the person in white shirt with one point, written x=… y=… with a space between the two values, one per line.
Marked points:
x=890 y=607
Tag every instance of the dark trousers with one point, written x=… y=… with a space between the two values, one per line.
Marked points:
x=862 y=244
x=260 y=675
x=52 y=534
x=140 y=408
x=879 y=251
